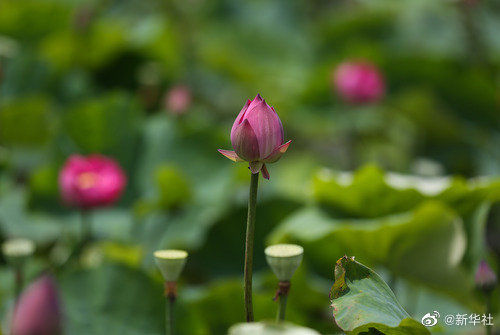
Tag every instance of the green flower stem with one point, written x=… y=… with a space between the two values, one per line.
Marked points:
x=171 y=296
x=489 y=329
x=169 y=316
x=86 y=228
x=19 y=279
x=252 y=204
x=281 y=307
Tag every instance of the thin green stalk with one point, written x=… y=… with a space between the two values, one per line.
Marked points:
x=19 y=279
x=86 y=228
x=475 y=44
x=169 y=316
x=489 y=328
x=281 y=307
x=252 y=204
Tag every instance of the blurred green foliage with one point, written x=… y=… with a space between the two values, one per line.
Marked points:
x=91 y=77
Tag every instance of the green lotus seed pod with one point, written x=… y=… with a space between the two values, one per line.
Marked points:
x=16 y=250
x=284 y=259
x=170 y=262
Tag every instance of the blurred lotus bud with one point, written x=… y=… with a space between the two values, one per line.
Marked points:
x=178 y=99
x=171 y=263
x=16 y=250
x=92 y=181
x=257 y=136
x=38 y=311
x=359 y=82
x=486 y=279
x=284 y=259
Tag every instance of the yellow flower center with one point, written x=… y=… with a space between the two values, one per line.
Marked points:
x=86 y=180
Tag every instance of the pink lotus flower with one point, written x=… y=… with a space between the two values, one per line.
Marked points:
x=257 y=136
x=92 y=181
x=485 y=277
x=37 y=311
x=178 y=99
x=359 y=82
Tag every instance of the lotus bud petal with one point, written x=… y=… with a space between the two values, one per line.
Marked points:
x=18 y=249
x=257 y=136
x=359 y=82
x=92 y=181
x=171 y=263
x=284 y=259
x=485 y=277
x=38 y=310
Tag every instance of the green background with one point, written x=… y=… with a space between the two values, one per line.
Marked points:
x=410 y=185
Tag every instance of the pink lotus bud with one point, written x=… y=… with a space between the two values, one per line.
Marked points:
x=359 y=82
x=257 y=136
x=178 y=99
x=485 y=277
x=91 y=181
x=37 y=311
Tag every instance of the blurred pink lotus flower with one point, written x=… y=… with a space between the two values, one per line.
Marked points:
x=359 y=82
x=178 y=99
x=257 y=136
x=92 y=181
x=485 y=277
x=38 y=311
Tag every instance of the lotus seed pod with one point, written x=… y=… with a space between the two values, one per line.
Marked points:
x=170 y=262
x=266 y=328
x=284 y=259
x=18 y=249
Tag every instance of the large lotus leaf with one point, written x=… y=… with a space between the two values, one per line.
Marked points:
x=368 y=195
x=408 y=244
x=372 y=193
x=473 y=201
x=363 y=302
x=111 y=300
x=263 y=328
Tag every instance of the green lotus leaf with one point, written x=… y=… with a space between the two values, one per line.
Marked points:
x=363 y=302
